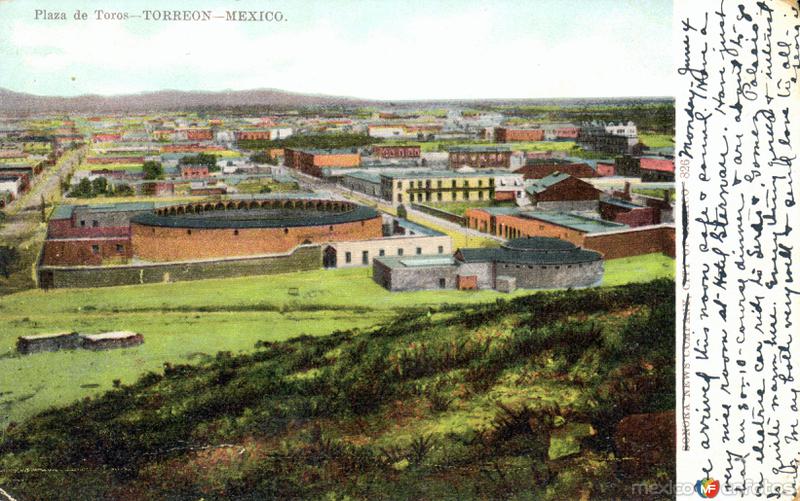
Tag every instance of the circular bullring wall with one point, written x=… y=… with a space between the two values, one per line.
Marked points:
x=233 y=228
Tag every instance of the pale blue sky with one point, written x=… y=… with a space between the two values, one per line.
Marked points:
x=420 y=49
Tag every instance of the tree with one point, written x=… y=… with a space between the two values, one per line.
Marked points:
x=99 y=186
x=123 y=190
x=83 y=189
x=402 y=212
x=153 y=170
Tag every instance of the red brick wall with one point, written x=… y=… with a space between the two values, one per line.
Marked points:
x=80 y=252
x=634 y=242
x=504 y=135
x=517 y=227
x=157 y=243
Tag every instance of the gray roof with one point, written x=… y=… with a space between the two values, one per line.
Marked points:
x=255 y=218
x=528 y=256
x=540 y=185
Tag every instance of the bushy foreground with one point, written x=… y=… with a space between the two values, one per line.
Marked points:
x=517 y=399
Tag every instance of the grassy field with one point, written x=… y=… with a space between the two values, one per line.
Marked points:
x=657 y=140
x=186 y=321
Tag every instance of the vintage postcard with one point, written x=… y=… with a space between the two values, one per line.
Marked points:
x=397 y=250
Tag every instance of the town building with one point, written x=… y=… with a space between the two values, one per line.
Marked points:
x=440 y=186
x=538 y=168
x=194 y=171
x=510 y=134
x=527 y=263
x=629 y=213
x=657 y=169
x=613 y=240
x=479 y=156
x=560 y=191
x=616 y=139
x=401 y=238
x=311 y=161
x=396 y=151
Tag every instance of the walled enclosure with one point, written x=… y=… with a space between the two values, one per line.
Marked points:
x=233 y=229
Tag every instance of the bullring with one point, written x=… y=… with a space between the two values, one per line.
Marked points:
x=234 y=228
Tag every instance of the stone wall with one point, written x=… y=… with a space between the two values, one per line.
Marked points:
x=560 y=276
x=302 y=258
x=414 y=278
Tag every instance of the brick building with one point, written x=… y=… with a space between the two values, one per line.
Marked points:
x=509 y=134
x=538 y=168
x=194 y=171
x=396 y=151
x=657 y=169
x=613 y=240
x=479 y=157
x=629 y=213
x=90 y=234
x=560 y=191
x=311 y=161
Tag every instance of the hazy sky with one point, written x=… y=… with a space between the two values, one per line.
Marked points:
x=364 y=48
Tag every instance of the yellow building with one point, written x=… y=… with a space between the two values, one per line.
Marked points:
x=439 y=186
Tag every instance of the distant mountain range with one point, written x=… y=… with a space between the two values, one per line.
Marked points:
x=11 y=101
x=18 y=102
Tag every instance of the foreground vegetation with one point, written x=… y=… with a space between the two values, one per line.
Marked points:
x=520 y=399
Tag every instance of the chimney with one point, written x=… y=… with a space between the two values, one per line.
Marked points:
x=627 y=190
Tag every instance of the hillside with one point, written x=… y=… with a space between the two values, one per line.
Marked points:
x=537 y=397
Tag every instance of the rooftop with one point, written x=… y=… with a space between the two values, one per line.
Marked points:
x=444 y=174
x=540 y=185
x=572 y=221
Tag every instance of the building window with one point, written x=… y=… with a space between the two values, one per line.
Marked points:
x=439 y=196
x=480 y=182
x=120 y=248
x=235 y=232
x=365 y=257
x=330 y=228
x=188 y=232
x=95 y=249
x=348 y=257
x=381 y=252
x=480 y=195
x=285 y=231
x=83 y=223
x=419 y=250
x=95 y=224
x=442 y=283
x=441 y=249
x=400 y=251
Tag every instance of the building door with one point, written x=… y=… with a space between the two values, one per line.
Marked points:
x=329 y=257
x=46 y=279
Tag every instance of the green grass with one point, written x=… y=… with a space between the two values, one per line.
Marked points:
x=657 y=140
x=459 y=208
x=121 y=166
x=182 y=321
